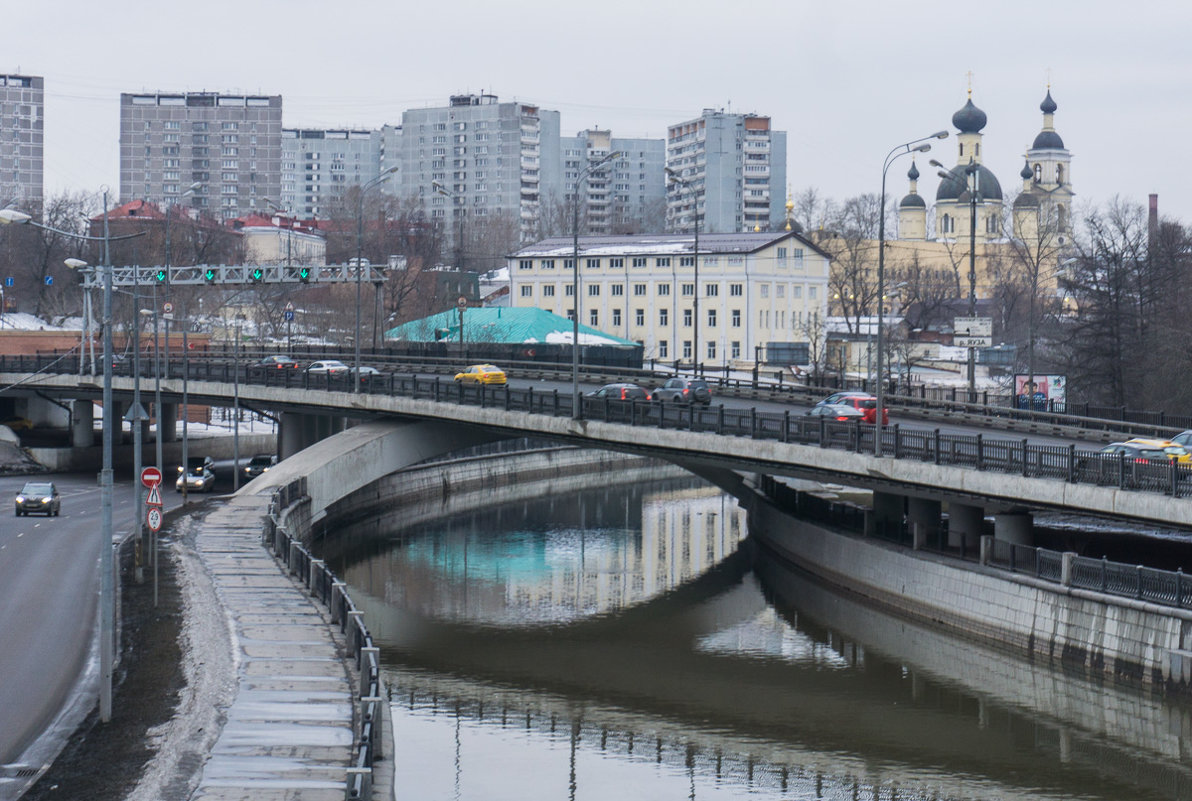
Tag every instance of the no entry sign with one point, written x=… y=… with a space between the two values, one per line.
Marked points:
x=150 y=476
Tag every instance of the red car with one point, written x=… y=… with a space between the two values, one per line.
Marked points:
x=861 y=401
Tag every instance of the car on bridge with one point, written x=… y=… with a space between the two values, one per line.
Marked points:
x=276 y=362
x=481 y=374
x=683 y=390
x=839 y=412
x=621 y=392
x=327 y=367
x=862 y=401
x=41 y=497
x=1173 y=450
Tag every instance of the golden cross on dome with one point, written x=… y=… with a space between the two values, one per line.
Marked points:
x=970 y=83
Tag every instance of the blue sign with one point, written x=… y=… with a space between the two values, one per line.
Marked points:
x=49 y=280
x=8 y=281
x=289 y=315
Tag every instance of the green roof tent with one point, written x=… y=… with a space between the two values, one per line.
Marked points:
x=501 y=324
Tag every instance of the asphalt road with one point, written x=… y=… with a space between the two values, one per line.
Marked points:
x=49 y=595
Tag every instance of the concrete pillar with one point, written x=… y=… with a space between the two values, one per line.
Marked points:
x=290 y=434
x=82 y=427
x=339 y=424
x=167 y=422
x=1014 y=527
x=887 y=511
x=322 y=426
x=923 y=517
x=965 y=524
x=113 y=419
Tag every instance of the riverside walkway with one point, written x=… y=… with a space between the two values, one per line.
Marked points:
x=288 y=732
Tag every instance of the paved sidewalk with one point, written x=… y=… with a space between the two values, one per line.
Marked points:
x=288 y=733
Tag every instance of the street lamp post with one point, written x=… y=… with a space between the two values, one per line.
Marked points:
x=970 y=171
x=576 y=404
x=688 y=185
x=157 y=439
x=236 y=405
x=920 y=145
x=190 y=190
x=456 y=211
x=384 y=176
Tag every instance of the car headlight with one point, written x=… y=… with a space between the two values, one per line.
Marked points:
x=20 y=499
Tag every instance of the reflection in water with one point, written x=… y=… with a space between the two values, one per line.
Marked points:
x=661 y=663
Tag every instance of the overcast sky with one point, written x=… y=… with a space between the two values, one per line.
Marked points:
x=848 y=81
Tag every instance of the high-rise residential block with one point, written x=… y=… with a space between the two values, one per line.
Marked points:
x=226 y=146
x=626 y=196
x=22 y=122
x=729 y=171
x=318 y=166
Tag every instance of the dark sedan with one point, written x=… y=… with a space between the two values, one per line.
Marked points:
x=621 y=392
x=41 y=497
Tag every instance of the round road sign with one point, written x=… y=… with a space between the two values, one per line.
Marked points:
x=167 y=308
x=150 y=476
x=153 y=518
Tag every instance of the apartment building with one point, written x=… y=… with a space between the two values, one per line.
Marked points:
x=755 y=290
x=625 y=196
x=730 y=173
x=227 y=144
x=318 y=166
x=22 y=123
x=477 y=158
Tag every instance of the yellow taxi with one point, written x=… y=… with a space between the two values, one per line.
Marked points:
x=1172 y=449
x=481 y=374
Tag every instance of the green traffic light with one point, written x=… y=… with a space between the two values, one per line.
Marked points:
x=209 y=275
x=160 y=276
x=304 y=274
x=256 y=274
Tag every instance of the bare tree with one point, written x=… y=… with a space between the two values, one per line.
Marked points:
x=814 y=328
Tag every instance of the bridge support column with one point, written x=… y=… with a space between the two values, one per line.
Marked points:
x=887 y=512
x=1016 y=528
x=82 y=425
x=167 y=422
x=113 y=419
x=923 y=517
x=965 y=525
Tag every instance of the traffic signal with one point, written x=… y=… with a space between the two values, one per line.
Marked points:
x=210 y=274
x=304 y=275
x=256 y=274
x=160 y=275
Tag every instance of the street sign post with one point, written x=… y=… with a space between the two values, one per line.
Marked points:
x=972 y=332
x=153 y=518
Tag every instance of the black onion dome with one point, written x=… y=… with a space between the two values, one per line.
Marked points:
x=913 y=172
x=912 y=201
x=969 y=119
x=1048 y=140
x=955 y=186
x=1026 y=173
x=1048 y=105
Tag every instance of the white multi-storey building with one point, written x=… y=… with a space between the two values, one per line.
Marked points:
x=228 y=144
x=318 y=166
x=730 y=173
x=22 y=121
x=625 y=196
x=756 y=290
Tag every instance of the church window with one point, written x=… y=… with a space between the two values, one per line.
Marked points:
x=1063 y=218
x=1059 y=174
x=962 y=149
x=1038 y=173
x=946 y=224
x=977 y=150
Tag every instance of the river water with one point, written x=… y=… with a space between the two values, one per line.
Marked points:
x=633 y=643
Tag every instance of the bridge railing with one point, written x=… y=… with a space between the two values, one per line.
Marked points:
x=979 y=451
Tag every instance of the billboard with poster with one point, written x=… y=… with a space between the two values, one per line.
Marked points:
x=1041 y=393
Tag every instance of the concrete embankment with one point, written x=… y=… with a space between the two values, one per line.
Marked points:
x=1100 y=634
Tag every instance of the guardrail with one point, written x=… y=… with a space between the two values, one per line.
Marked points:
x=322 y=584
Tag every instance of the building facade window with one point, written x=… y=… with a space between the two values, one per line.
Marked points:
x=639 y=317
x=527 y=291
x=735 y=319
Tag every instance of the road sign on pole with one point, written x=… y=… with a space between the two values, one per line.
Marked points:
x=154 y=498
x=153 y=518
x=150 y=477
x=167 y=308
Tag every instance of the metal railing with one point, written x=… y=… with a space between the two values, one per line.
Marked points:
x=322 y=584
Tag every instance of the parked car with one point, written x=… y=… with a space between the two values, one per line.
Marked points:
x=840 y=412
x=41 y=497
x=198 y=475
x=621 y=392
x=481 y=374
x=17 y=423
x=1183 y=438
x=862 y=401
x=259 y=464
x=327 y=367
x=277 y=362
x=1173 y=450
x=683 y=390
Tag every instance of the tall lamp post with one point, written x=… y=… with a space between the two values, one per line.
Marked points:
x=85 y=334
x=457 y=212
x=107 y=606
x=576 y=405
x=384 y=176
x=190 y=190
x=157 y=439
x=689 y=185
x=974 y=188
x=920 y=145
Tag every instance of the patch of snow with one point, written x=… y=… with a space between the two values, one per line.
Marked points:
x=21 y=321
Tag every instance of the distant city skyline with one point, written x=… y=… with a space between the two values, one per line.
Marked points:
x=847 y=83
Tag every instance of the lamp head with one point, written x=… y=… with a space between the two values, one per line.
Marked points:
x=935 y=163
x=75 y=264
x=14 y=217
x=923 y=148
x=940 y=135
